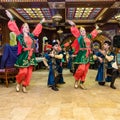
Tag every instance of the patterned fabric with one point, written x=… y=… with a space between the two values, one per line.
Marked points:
x=55 y=69
x=22 y=60
x=104 y=67
x=83 y=50
x=25 y=49
x=82 y=56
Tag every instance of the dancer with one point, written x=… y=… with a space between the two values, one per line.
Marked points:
x=53 y=61
x=107 y=70
x=26 y=56
x=82 y=46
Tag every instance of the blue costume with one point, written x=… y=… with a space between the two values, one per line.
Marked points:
x=106 y=68
x=100 y=73
x=55 y=70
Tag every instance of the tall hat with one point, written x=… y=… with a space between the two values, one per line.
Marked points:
x=54 y=42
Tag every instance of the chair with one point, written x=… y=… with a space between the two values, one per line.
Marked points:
x=7 y=69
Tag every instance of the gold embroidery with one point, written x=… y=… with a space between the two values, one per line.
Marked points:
x=25 y=62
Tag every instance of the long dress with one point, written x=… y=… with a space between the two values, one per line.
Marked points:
x=55 y=70
x=82 y=48
x=25 y=45
x=26 y=56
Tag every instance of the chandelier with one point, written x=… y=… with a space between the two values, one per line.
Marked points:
x=57 y=18
x=60 y=31
x=117 y=16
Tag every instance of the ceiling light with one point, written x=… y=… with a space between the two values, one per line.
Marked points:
x=60 y=31
x=117 y=16
x=57 y=18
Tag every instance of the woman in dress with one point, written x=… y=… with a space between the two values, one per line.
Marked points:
x=82 y=48
x=26 y=56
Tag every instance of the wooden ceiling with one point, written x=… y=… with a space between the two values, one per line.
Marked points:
x=82 y=12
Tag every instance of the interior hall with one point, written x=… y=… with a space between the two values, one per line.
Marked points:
x=59 y=59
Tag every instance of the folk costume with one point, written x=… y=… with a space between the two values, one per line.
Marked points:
x=55 y=68
x=26 y=57
x=82 y=48
x=107 y=70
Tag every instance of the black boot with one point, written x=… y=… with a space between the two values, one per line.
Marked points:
x=54 y=88
x=112 y=84
x=114 y=76
x=101 y=83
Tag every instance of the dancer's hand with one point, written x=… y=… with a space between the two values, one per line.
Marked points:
x=51 y=55
x=99 y=31
x=42 y=21
x=70 y=41
x=71 y=22
x=9 y=14
x=97 y=27
x=100 y=59
x=74 y=55
x=47 y=67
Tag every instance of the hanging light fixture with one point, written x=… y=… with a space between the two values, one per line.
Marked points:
x=117 y=16
x=60 y=31
x=57 y=18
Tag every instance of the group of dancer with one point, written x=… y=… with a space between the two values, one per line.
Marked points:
x=81 y=49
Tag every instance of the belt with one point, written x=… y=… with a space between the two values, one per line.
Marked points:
x=30 y=51
x=85 y=49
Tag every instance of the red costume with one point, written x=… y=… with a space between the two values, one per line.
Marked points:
x=26 y=58
x=82 y=47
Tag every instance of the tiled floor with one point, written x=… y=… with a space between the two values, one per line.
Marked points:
x=42 y=103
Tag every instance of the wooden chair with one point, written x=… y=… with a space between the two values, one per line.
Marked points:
x=8 y=73
x=7 y=69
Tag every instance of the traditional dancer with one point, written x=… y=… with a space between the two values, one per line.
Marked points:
x=53 y=61
x=82 y=46
x=107 y=70
x=26 y=59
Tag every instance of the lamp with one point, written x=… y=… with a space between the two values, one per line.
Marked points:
x=117 y=16
x=60 y=31
x=57 y=18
